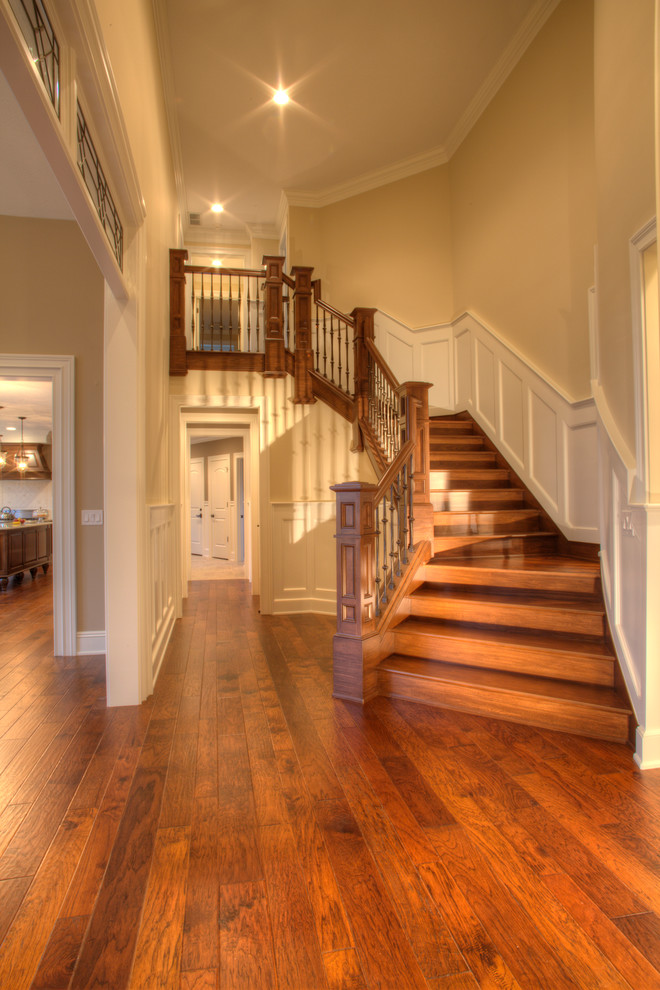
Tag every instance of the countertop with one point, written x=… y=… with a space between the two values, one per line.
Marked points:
x=11 y=524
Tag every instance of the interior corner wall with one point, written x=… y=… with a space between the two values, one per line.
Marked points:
x=65 y=316
x=523 y=203
x=624 y=61
x=389 y=248
x=129 y=34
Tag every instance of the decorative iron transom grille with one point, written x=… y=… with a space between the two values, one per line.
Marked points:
x=92 y=173
x=42 y=42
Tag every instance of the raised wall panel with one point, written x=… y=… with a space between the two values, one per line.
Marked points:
x=436 y=368
x=485 y=383
x=304 y=557
x=582 y=467
x=512 y=413
x=463 y=352
x=543 y=447
x=400 y=358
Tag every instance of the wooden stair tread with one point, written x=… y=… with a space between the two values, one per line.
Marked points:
x=524 y=564
x=523 y=639
x=566 y=603
x=504 y=681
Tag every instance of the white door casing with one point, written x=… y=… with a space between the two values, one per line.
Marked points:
x=196 y=504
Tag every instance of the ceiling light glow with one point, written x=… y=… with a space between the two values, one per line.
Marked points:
x=217 y=208
x=281 y=97
x=217 y=262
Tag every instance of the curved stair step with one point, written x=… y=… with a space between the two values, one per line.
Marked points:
x=482 y=545
x=460 y=458
x=599 y=712
x=589 y=661
x=449 y=479
x=470 y=499
x=483 y=521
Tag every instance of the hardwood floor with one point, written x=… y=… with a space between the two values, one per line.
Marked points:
x=242 y=829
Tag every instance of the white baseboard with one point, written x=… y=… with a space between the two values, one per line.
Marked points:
x=647 y=753
x=90 y=643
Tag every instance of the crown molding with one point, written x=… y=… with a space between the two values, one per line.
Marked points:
x=269 y=231
x=505 y=65
x=369 y=180
x=164 y=44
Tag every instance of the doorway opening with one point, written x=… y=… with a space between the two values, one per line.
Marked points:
x=217 y=505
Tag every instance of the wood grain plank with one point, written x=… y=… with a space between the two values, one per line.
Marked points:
x=200 y=979
x=30 y=930
x=247 y=959
x=157 y=957
x=60 y=955
x=297 y=953
x=343 y=970
x=199 y=949
x=643 y=930
x=629 y=962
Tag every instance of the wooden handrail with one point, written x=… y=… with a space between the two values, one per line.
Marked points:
x=395 y=467
x=330 y=310
x=382 y=363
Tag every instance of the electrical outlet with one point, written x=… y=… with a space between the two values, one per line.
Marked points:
x=92 y=517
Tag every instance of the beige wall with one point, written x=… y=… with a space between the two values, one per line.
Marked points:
x=389 y=247
x=523 y=205
x=129 y=32
x=52 y=303
x=624 y=94
x=309 y=446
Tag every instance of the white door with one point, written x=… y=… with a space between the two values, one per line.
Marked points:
x=240 y=510
x=219 y=500
x=196 y=503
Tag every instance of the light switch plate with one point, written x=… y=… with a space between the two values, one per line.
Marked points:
x=92 y=517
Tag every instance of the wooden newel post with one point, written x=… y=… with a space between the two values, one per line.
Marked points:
x=356 y=591
x=363 y=331
x=415 y=396
x=275 y=362
x=178 y=364
x=303 y=355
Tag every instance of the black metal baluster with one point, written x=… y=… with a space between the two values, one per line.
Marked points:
x=411 y=496
x=212 y=314
x=392 y=550
x=325 y=348
x=339 y=349
x=231 y=319
x=249 y=315
x=404 y=515
x=193 y=335
x=317 y=338
x=238 y=328
x=201 y=310
x=332 y=349
x=378 y=581
x=348 y=380
x=384 y=566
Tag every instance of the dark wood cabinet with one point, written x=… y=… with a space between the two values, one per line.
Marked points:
x=25 y=548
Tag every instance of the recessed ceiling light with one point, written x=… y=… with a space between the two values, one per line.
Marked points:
x=217 y=208
x=281 y=96
x=217 y=262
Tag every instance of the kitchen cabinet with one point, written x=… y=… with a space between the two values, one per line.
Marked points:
x=24 y=548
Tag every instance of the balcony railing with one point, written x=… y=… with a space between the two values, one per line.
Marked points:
x=42 y=42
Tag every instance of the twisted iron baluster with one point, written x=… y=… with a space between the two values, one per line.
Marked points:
x=325 y=349
x=385 y=553
x=411 y=479
x=378 y=581
x=317 y=338
x=212 y=313
x=392 y=550
x=404 y=515
x=339 y=348
x=201 y=303
x=332 y=349
x=249 y=316
x=238 y=328
x=192 y=313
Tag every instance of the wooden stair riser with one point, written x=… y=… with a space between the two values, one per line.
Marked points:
x=561 y=715
x=552 y=619
x=579 y=583
x=439 y=445
x=482 y=546
x=485 y=522
x=439 y=427
x=540 y=661
x=459 y=458
x=450 y=479
x=467 y=500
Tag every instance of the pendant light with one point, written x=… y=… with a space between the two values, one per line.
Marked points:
x=21 y=457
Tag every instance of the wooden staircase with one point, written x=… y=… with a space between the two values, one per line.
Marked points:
x=506 y=619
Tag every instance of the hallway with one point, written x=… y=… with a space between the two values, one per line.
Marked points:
x=241 y=829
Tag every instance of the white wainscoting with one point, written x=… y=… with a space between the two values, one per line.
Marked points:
x=161 y=581
x=304 y=557
x=549 y=441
